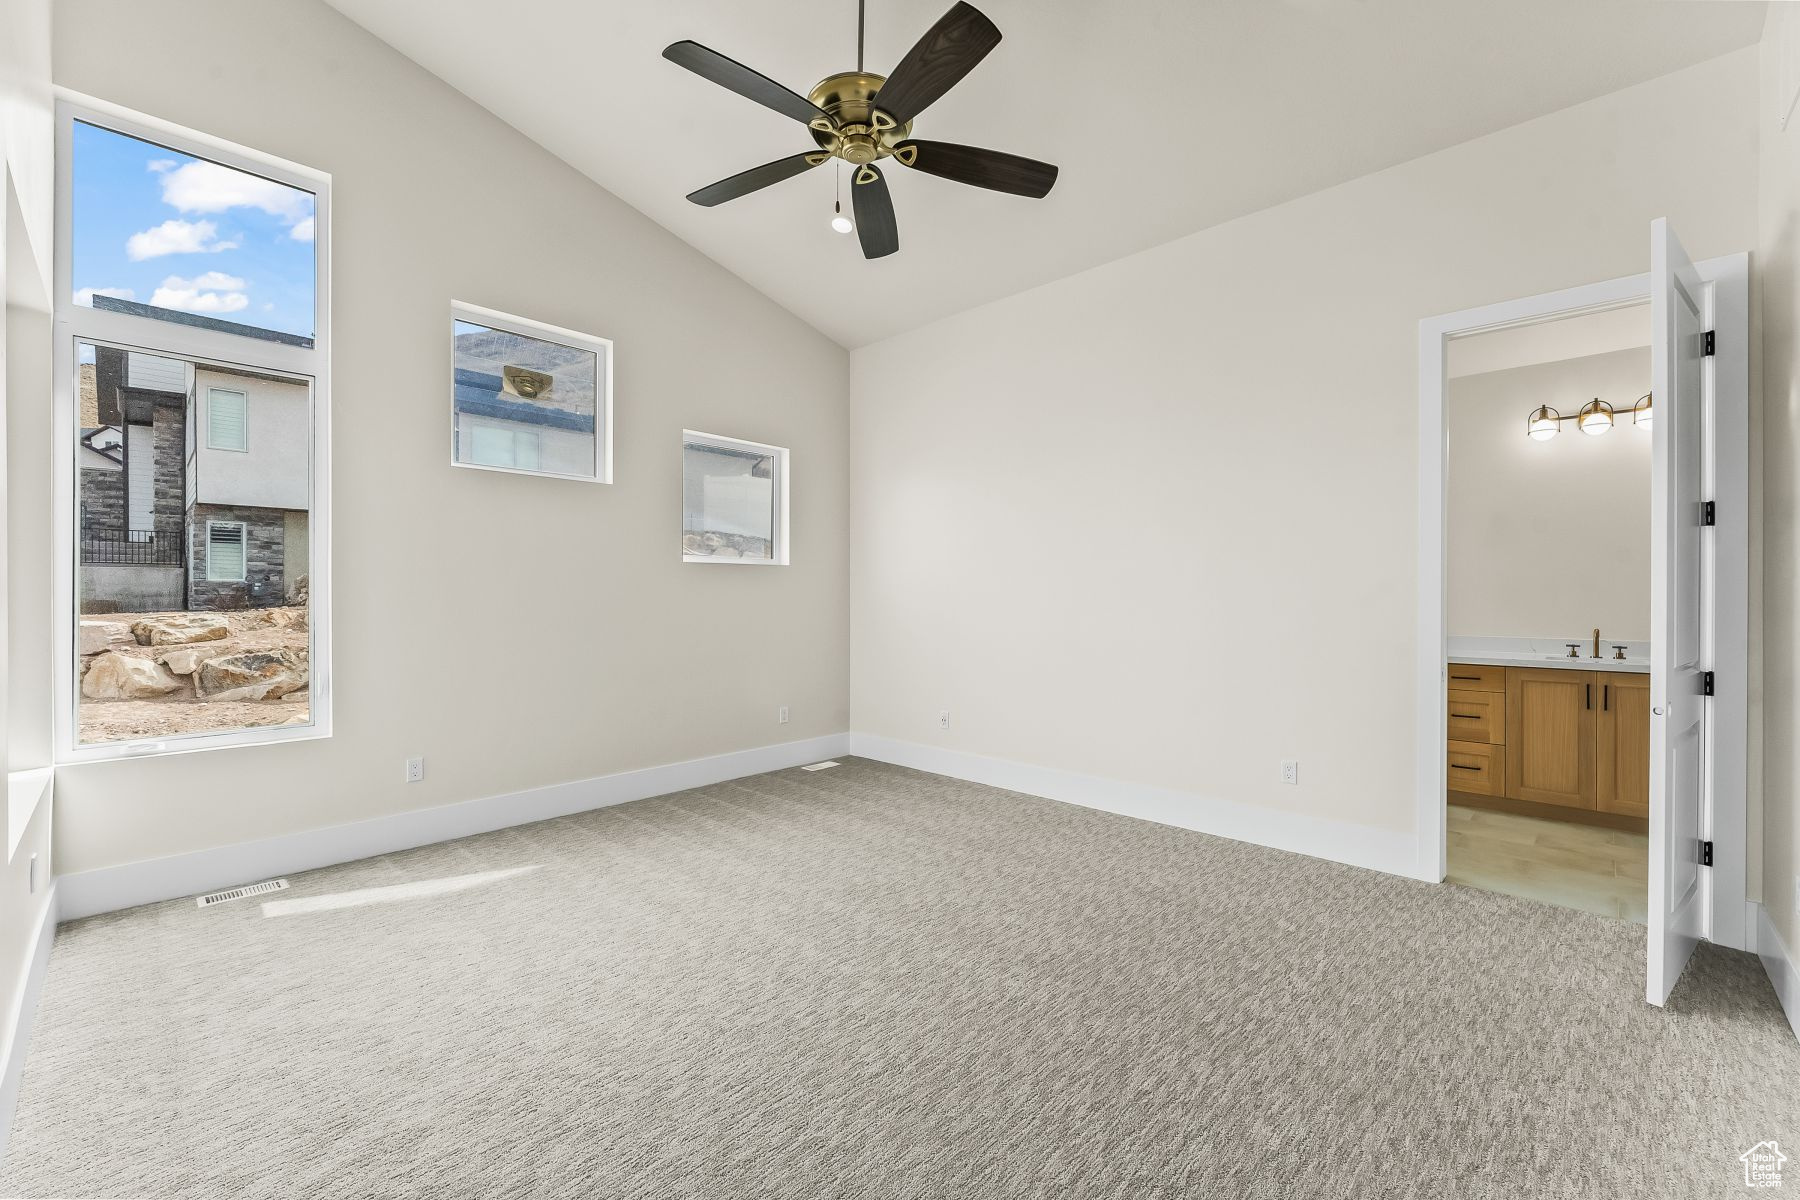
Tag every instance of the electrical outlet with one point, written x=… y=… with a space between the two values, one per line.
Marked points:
x=781 y=715
x=1290 y=770
x=944 y=719
x=415 y=770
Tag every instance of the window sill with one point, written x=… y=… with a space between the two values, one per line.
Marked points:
x=25 y=790
x=264 y=735
x=732 y=562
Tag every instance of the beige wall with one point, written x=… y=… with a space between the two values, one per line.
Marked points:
x=515 y=631
x=1549 y=539
x=1778 y=270
x=1157 y=521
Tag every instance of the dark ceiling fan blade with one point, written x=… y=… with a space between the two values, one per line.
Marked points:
x=982 y=168
x=948 y=51
x=752 y=85
x=756 y=178
x=874 y=209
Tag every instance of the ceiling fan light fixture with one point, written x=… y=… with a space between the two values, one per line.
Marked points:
x=839 y=221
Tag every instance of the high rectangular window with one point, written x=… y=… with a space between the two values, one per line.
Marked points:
x=734 y=506
x=191 y=370
x=529 y=397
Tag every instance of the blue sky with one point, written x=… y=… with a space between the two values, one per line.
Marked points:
x=165 y=228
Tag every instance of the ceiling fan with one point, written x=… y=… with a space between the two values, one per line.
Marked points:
x=862 y=117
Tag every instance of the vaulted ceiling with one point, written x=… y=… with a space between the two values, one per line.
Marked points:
x=1166 y=116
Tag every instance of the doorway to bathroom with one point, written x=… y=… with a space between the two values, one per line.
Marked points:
x=1547 y=570
x=1636 y=737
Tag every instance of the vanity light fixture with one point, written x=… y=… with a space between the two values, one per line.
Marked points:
x=1595 y=417
x=1543 y=424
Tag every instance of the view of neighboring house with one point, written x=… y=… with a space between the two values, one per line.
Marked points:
x=523 y=403
x=194 y=483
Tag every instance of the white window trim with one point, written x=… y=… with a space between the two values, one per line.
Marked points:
x=75 y=324
x=779 y=551
x=243 y=528
x=242 y=395
x=601 y=348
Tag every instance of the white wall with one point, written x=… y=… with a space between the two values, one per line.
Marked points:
x=515 y=631
x=25 y=176
x=275 y=471
x=1549 y=539
x=1156 y=522
x=1778 y=267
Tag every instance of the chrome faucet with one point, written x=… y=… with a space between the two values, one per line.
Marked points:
x=1596 y=643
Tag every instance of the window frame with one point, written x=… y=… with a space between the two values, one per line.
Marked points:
x=77 y=324
x=601 y=348
x=778 y=551
x=241 y=395
x=243 y=529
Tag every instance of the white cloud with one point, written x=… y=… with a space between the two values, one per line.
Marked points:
x=86 y=295
x=207 y=187
x=302 y=231
x=176 y=237
x=159 y=165
x=213 y=292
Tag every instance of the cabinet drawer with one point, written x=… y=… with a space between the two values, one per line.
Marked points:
x=1466 y=678
x=1477 y=717
x=1477 y=767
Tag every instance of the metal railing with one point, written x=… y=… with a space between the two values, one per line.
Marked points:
x=164 y=546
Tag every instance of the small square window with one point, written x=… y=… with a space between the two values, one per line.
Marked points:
x=227 y=420
x=225 y=551
x=734 y=500
x=529 y=397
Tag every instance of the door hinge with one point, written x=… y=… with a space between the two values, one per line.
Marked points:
x=1706 y=345
x=1706 y=854
x=1706 y=683
x=1709 y=513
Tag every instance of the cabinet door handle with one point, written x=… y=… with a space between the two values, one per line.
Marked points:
x=1590 y=695
x=1466 y=716
x=1605 y=697
x=1460 y=767
x=1468 y=678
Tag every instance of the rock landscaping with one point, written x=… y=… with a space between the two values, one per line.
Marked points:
x=165 y=674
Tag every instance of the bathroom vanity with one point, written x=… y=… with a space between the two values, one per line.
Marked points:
x=1551 y=736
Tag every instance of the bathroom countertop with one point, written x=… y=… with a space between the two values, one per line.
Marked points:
x=1548 y=653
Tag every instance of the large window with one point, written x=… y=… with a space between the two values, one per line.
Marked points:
x=191 y=381
x=734 y=500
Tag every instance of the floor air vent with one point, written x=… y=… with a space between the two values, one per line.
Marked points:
x=818 y=766
x=238 y=893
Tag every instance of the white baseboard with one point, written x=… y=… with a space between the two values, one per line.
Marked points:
x=24 y=1012
x=1783 y=972
x=108 y=889
x=1339 y=841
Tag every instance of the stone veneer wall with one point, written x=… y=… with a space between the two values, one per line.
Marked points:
x=169 y=442
x=102 y=502
x=264 y=584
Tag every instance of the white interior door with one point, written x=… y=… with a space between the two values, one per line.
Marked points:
x=1677 y=694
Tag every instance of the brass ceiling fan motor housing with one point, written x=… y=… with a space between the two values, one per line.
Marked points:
x=859 y=135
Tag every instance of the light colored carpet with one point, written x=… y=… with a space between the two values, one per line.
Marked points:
x=871 y=982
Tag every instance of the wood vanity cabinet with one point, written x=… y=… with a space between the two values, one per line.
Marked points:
x=1576 y=740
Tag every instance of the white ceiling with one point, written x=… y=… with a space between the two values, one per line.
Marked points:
x=1166 y=116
